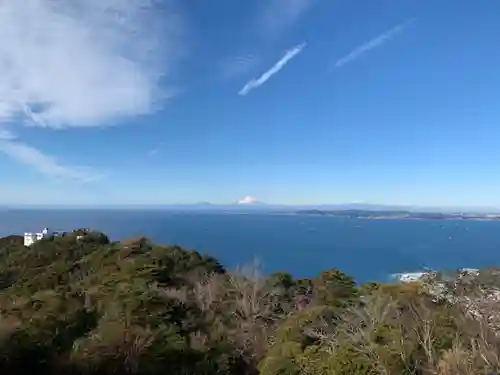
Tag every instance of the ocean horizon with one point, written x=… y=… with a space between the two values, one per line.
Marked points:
x=299 y=244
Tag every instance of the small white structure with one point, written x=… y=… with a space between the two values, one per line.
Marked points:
x=31 y=238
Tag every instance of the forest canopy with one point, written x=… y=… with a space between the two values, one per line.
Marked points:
x=88 y=305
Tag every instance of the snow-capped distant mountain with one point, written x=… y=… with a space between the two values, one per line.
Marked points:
x=248 y=200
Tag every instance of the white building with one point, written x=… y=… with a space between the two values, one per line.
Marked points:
x=31 y=238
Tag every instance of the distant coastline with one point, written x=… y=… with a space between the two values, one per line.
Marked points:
x=341 y=212
x=399 y=215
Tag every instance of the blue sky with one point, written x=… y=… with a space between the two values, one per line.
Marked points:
x=290 y=101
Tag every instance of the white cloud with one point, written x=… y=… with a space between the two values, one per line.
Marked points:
x=45 y=164
x=274 y=17
x=278 y=15
x=82 y=63
x=378 y=41
x=254 y=83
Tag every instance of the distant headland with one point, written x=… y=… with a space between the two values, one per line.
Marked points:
x=400 y=215
x=250 y=205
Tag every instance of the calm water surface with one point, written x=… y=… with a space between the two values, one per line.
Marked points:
x=302 y=245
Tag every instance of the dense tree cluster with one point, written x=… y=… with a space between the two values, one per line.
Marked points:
x=87 y=305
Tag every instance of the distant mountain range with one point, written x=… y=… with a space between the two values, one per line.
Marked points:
x=269 y=207
x=256 y=206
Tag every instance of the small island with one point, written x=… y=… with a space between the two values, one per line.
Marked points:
x=83 y=304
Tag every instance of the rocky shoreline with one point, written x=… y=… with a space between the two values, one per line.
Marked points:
x=475 y=291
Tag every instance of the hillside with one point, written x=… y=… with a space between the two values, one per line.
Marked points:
x=92 y=306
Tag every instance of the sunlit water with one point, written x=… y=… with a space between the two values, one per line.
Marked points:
x=301 y=245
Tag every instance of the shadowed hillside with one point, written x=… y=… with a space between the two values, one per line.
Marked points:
x=11 y=241
x=91 y=306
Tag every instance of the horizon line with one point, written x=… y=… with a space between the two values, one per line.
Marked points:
x=263 y=205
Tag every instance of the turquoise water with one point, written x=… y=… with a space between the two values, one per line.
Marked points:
x=302 y=245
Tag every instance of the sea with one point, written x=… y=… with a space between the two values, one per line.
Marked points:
x=303 y=245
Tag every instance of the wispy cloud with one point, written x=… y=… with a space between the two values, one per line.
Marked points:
x=239 y=65
x=82 y=63
x=378 y=41
x=6 y=135
x=274 y=17
x=45 y=164
x=279 y=15
x=254 y=83
x=155 y=150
